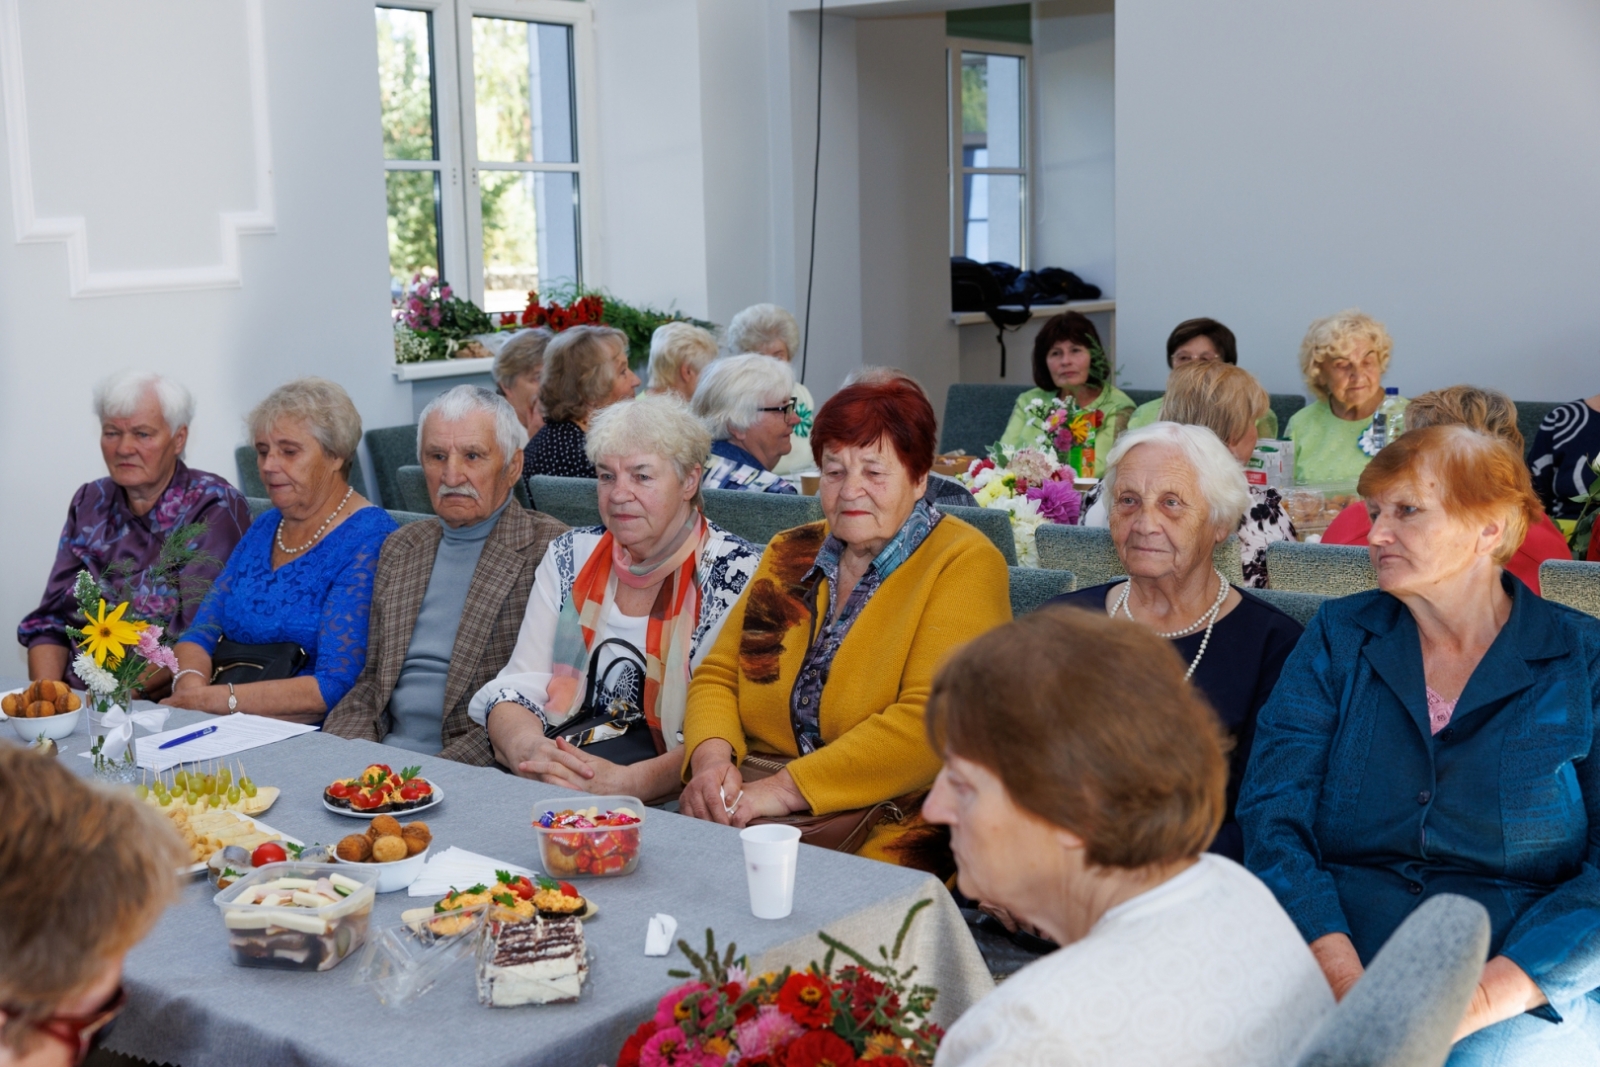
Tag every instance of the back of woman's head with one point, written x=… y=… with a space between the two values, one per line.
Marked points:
x=1479 y=478
x=1091 y=726
x=676 y=345
x=522 y=355
x=84 y=873
x=579 y=371
x=1485 y=410
x=1225 y=399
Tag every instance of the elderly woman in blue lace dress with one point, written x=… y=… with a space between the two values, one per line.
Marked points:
x=303 y=574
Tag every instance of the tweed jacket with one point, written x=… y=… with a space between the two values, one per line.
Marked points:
x=484 y=640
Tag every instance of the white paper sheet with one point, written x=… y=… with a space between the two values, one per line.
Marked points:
x=456 y=868
x=235 y=733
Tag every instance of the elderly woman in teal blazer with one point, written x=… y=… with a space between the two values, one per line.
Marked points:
x=1439 y=735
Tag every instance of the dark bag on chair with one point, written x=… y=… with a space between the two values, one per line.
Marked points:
x=841 y=831
x=619 y=733
x=234 y=663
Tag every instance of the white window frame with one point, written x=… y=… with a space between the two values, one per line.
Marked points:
x=455 y=120
x=957 y=171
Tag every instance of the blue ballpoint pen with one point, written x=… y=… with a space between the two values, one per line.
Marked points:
x=187 y=737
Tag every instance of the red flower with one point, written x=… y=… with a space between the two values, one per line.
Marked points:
x=807 y=1000
x=864 y=991
x=732 y=991
x=877 y=1061
x=629 y=1056
x=819 y=1048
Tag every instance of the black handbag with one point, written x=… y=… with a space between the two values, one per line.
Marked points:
x=618 y=733
x=234 y=663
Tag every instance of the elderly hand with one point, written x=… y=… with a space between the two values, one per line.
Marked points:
x=520 y=744
x=1336 y=955
x=196 y=696
x=1504 y=992
x=715 y=786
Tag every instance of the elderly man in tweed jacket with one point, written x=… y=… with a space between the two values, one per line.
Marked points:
x=449 y=596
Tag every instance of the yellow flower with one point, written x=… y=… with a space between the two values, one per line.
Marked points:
x=108 y=636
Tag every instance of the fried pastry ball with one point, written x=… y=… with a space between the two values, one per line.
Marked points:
x=383 y=826
x=417 y=837
x=354 y=849
x=387 y=849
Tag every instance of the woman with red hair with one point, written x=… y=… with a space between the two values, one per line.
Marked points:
x=809 y=708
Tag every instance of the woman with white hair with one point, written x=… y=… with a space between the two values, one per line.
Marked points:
x=679 y=351
x=593 y=697
x=1174 y=492
x=296 y=595
x=517 y=370
x=748 y=404
x=1343 y=360
x=772 y=331
x=118 y=524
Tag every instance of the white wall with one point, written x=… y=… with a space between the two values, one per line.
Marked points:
x=139 y=120
x=1434 y=162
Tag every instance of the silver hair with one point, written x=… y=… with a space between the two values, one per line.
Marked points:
x=117 y=396
x=522 y=354
x=675 y=345
x=323 y=406
x=1217 y=471
x=658 y=424
x=733 y=389
x=760 y=324
x=464 y=400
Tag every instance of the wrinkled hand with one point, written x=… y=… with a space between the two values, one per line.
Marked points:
x=212 y=699
x=1340 y=964
x=715 y=786
x=561 y=763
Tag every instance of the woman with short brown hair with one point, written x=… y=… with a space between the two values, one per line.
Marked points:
x=84 y=874
x=585 y=369
x=1069 y=362
x=1085 y=809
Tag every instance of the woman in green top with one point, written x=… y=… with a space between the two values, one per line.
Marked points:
x=1199 y=341
x=1068 y=360
x=1343 y=358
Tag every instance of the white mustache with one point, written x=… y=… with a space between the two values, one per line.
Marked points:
x=459 y=490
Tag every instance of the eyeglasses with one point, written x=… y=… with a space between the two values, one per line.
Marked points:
x=786 y=410
x=79 y=1032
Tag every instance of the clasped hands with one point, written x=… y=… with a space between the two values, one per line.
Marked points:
x=718 y=793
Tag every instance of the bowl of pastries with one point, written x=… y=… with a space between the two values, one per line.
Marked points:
x=44 y=709
x=397 y=852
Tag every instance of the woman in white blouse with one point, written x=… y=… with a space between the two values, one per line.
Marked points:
x=620 y=615
x=1083 y=810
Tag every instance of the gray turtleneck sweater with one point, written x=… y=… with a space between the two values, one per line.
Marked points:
x=416 y=707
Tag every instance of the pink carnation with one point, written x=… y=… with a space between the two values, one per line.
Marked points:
x=153 y=651
x=1058 y=502
x=771 y=1029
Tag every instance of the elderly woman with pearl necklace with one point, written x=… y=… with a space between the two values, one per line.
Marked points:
x=1173 y=493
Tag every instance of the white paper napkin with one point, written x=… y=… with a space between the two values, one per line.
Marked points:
x=658 y=938
x=456 y=868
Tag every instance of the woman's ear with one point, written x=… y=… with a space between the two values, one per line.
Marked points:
x=1490 y=535
x=691 y=482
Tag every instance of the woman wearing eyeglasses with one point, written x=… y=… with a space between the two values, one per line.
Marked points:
x=747 y=402
x=61 y=952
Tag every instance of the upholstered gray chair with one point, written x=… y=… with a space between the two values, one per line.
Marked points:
x=1284 y=405
x=250 y=483
x=1572 y=582
x=1088 y=553
x=1031 y=587
x=1530 y=413
x=975 y=416
x=404 y=517
x=392 y=447
x=1403 y=1012
x=1141 y=397
x=1298 y=606
x=259 y=505
x=994 y=524
x=757 y=516
x=575 y=501
x=411 y=489
x=1332 y=570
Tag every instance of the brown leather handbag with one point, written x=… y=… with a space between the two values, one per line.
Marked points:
x=841 y=831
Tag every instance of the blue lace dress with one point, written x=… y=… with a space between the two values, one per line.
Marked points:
x=320 y=600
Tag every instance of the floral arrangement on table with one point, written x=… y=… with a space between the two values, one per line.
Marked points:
x=866 y=1013
x=1033 y=487
x=596 y=307
x=431 y=322
x=1061 y=426
x=116 y=652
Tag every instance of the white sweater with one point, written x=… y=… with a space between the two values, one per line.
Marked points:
x=1204 y=970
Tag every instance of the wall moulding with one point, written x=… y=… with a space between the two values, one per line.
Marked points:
x=72 y=230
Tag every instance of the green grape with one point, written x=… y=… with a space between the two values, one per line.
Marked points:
x=164 y=799
x=192 y=798
x=210 y=784
x=234 y=793
x=142 y=791
x=248 y=786
x=224 y=778
x=180 y=779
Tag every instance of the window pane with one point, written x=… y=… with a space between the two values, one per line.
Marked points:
x=522 y=76
x=994 y=217
x=405 y=83
x=991 y=109
x=413 y=226
x=530 y=235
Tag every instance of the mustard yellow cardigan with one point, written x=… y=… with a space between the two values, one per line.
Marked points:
x=951 y=589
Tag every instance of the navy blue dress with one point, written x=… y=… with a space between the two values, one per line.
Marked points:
x=1354 y=812
x=1248 y=648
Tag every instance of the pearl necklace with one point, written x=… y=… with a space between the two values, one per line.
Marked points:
x=296 y=551
x=1209 y=618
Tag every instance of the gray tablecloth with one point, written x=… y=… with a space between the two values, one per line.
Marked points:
x=189 y=1005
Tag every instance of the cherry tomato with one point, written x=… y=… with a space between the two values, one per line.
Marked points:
x=339 y=789
x=270 y=852
x=522 y=888
x=568 y=889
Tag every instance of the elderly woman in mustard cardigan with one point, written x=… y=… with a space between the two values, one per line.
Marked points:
x=823 y=669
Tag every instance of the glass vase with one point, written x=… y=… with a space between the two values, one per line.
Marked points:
x=124 y=766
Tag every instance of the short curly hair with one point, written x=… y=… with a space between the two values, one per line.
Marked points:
x=1335 y=336
x=323 y=406
x=578 y=371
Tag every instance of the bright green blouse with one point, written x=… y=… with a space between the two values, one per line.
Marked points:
x=1146 y=413
x=1116 y=404
x=1327 y=449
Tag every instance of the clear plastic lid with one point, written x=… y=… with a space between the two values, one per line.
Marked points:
x=270 y=892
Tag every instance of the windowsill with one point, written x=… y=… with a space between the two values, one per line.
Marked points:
x=442 y=368
x=1039 y=311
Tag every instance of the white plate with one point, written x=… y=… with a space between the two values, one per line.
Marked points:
x=199 y=868
x=438 y=798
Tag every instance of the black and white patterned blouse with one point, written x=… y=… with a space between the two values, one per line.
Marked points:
x=557 y=450
x=1567 y=443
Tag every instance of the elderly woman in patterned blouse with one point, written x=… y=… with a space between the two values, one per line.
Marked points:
x=119 y=523
x=620 y=615
x=585 y=369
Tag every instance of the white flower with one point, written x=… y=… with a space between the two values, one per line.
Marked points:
x=99 y=680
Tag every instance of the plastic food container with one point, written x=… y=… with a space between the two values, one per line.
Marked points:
x=297 y=938
x=592 y=852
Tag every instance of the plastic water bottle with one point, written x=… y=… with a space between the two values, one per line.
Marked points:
x=1390 y=420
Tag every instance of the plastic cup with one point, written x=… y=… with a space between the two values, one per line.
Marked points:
x=770 y=854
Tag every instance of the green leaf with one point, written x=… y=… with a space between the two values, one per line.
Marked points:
x=508 y=899
x=408 y=773
x=503 y=877
x=479 y=888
